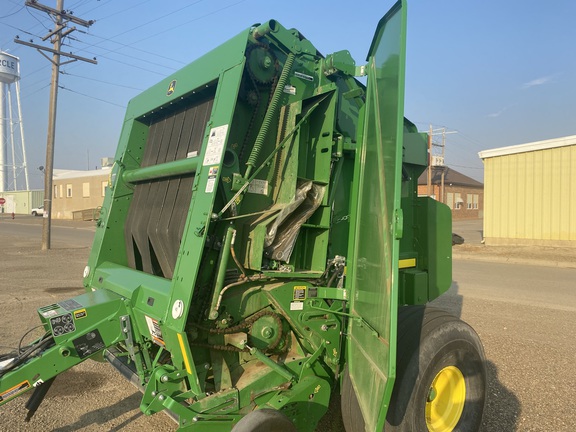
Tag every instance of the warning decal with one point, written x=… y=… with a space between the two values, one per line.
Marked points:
x=14 y=391
x=155 y=331
x=215 y=145
x=212 y=174
x=80 y=314
x=258 y=186
x=299 y=293
x=88 y=344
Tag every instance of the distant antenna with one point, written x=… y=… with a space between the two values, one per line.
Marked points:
x=11 y=127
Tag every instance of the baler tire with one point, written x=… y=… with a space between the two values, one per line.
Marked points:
x=265 y=420
x=351 y=414
x=429 y=341
x=433 y=343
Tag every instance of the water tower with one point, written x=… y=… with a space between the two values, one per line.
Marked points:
x=11 y=128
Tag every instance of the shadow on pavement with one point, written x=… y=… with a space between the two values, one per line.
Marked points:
x=503 y=408
x=105 y=414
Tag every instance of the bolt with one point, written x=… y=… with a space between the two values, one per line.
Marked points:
x=164 y=378
x=123 y=318
x=125 y=330
x=267 y=332
x=324 y=327
x=195 y=419
x=153 y=394
x=206 y=366
x=161 y=397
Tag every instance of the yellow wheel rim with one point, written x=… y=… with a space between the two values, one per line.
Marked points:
x=445 y=401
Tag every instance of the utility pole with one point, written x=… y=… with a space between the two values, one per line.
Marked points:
x=61 y=19
x=444 y=167
x=429 y=177
x=436 y=158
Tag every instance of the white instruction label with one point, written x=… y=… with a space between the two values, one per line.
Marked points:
x=210 y=185
x=212 y=174
x=296 y=305
x=215 y=145
x=258 y=186
x=290 y=89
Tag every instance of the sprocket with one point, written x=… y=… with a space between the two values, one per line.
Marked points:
x=262 y=63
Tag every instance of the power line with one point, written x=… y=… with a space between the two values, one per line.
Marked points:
x=192 y=20
x=61 y=30
x=171 y=69
x=100 y=81
x=156 y=19
x=37 y=91
x=13 y=13
x=91 y=97
x=139 y=4
x=37 y=19
x=131 y=47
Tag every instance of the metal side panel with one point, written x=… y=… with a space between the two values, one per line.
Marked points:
x=378 y=222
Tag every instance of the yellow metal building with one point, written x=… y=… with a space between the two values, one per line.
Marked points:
x=530 y=193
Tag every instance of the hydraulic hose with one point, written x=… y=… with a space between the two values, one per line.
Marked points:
x=270 y=115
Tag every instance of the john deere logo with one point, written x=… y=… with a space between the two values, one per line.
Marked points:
x=171 y=88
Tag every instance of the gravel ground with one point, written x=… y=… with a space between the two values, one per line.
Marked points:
x=94 y=397
x=90 y=397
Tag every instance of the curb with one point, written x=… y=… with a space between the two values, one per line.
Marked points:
x=508 y=260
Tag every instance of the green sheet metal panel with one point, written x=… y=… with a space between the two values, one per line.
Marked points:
x=372 y=338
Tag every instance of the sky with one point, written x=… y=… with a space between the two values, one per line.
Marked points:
x=493 y=73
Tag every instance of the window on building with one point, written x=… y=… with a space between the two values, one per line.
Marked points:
x=458 y=202
x=55 y=191
x=475 y=201
x=450 y=200
x=469 y=201
x=104 y=184
x=68 y=190
x=86 y=190
x=61 y=191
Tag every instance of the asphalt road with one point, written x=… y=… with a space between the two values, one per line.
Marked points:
x=63 y=234
x=525 y=316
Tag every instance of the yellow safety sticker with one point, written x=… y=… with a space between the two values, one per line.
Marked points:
x=407 y=263
x=299 y=293
x=184 y=354
x=80 y=314
x=14 y=391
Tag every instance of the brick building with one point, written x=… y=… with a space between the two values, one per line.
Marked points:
x=464 y=195
x=78 y=194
